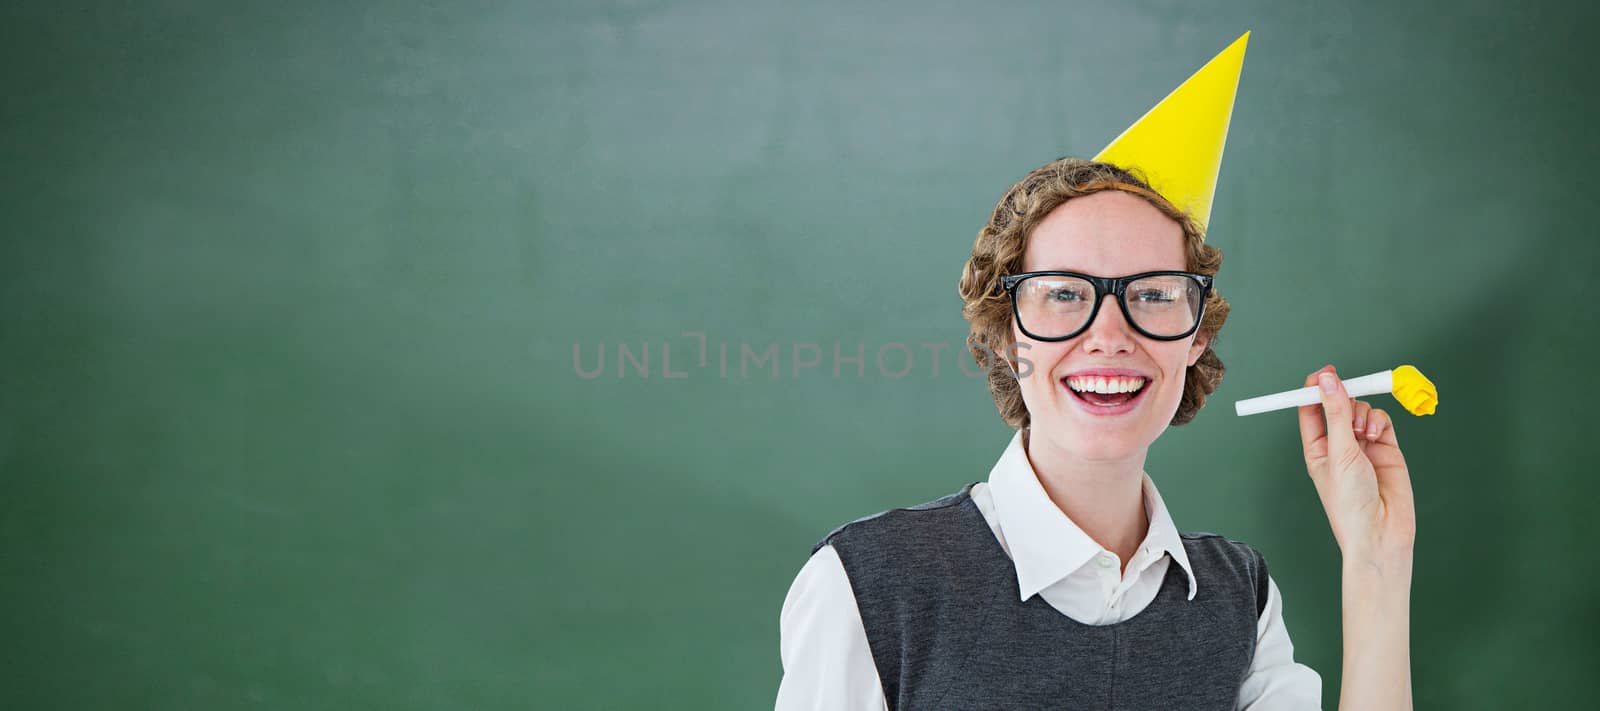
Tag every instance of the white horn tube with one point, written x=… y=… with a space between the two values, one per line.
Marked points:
x=1375 y=384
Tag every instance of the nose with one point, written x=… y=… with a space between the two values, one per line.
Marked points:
x=1109 y=332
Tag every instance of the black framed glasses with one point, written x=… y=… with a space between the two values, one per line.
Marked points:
x=1056 y=306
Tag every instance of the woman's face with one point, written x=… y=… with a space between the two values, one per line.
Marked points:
x=1108 y=234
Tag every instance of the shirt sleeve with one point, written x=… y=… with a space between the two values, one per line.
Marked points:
x=827 y=664
x=1275 y=681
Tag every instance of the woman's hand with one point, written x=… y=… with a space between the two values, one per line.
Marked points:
x=1355 y=461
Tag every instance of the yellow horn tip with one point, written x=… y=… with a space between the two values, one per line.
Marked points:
x=1415 y=391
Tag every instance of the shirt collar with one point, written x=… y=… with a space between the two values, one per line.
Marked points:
x=1046 y=546
x=1163 y=533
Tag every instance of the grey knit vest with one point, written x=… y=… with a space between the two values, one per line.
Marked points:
x=940 y=603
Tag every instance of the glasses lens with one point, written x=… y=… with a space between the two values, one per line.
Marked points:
x=1166 y=305
x=1057 y=306
x=1054 y=306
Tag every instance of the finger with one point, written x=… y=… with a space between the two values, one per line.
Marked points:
x=1394 y=482
x=1336 y=407
x=1361 y=409
x=1382 y=430
x=1312 y=427
x=1377 y=424
x=1387 y=435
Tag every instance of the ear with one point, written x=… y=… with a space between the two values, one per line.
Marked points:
x=1198 y=347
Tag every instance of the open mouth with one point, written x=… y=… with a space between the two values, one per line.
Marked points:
x=1111 y=393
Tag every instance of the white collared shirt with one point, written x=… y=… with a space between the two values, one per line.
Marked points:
x=827 y=664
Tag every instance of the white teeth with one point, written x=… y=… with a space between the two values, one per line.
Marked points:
x=1100 y=384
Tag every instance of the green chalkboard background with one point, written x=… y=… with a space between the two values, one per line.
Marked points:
x=290 y=296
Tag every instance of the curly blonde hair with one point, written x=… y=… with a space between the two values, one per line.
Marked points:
x=999 y=249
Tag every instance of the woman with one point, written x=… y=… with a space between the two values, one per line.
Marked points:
x=1062 y=581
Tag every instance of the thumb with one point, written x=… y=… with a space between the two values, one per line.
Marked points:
x=1336 y=407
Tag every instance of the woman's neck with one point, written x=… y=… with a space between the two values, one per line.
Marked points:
x=1104 y=498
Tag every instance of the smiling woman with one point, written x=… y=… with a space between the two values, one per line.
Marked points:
x=1062 y=581
x=1068 y=544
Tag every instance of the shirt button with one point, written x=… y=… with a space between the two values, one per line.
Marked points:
x=1105 y=562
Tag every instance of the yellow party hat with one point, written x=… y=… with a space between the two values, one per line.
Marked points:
x=1178 y=144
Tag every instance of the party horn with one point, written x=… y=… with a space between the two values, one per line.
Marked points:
x=1414 y=391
